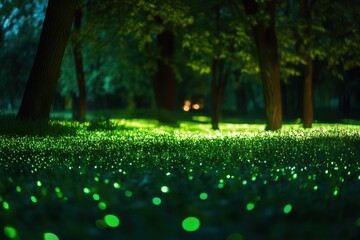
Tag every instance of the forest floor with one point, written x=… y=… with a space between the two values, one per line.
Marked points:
x=135 y=179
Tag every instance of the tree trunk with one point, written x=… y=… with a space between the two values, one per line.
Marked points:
x=41 y=85
x=308 y=104
x=164 y=81
x=218 y=84
x=308 y=117
x=269 y=61
x=80 y=76
x=240 y=94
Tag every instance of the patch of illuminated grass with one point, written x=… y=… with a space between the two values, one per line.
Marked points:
x=156 y=179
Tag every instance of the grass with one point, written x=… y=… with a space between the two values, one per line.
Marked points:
x=134 y=179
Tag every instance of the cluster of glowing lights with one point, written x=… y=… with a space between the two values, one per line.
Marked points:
x=188 y=105
x=116 y=176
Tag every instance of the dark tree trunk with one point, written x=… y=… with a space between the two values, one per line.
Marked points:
x=164 y=81
x=240 y=94
x=269 y=61
x=41 y=85
x=218 y=83
x=80 y=76
x=308 y=102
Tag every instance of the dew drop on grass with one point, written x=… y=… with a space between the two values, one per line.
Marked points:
x=191 y=224
x=112 y=220
x=10 y=232
x=50 y=236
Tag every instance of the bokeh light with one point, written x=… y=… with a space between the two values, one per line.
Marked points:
x=10 y=232
x=156 y=201
x=191 y=224
x=112 y=220
x=50 y=236
x=203 y=196
x=250 y=206
x=287 y=208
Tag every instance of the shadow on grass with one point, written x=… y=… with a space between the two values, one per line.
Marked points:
x=10 y=126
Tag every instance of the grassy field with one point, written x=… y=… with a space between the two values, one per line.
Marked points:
x=134 y=179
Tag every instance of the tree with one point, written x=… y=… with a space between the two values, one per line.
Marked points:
x=164 y=79
x=301 y=48
x=80 y=76
x=263 y=31
x=40 y=88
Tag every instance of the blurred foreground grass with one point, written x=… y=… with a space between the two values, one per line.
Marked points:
x=136 y=179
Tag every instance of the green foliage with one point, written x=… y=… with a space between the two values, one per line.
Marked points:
x=292 y=183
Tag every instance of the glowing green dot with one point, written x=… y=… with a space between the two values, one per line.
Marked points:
x=253 y=178
x=220 y=185
x=10 y=232
x=203 y=196
x=191 y=224
x=18 y=188
x=33 y=199
x=165 y=189
x=57 y=190
x=250 y=206
x=116 y=185
x=128 y=193
x=50 y=236
x=96 y=179
x=102 y=205
x=315 y=187
x=86 y=190
x=156 y=201
x=38 y=183
x=100 y=224
x=294 y=176
x=191 y=178
x=336 y=191
x=6 y=205
x=244 y=182
x=287 y=208
x=112 y=220
x=235 y=236
x=106 y=181
x=96 y=197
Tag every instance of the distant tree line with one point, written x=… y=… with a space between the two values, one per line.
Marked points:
x=185 y=50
